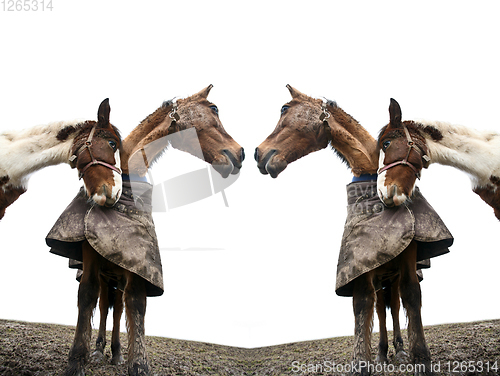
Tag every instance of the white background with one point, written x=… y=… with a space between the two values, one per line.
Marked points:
x=273 y=279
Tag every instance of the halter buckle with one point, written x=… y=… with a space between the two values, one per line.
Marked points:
x=173 y=114
x=325 y=115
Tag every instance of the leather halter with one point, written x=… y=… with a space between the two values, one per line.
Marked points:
x=411 y=145
x=86 y=146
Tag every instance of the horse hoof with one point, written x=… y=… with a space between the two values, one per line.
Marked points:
x=117 y=360
x=382 y=359
x=97 y=357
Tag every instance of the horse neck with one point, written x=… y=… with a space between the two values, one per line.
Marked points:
x=475 y=152
x=25 y=152
x=356 y=145
x=140 y=135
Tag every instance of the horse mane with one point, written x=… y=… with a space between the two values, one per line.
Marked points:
x=341 y=156
x=138 y=138
x=380 y=133
x=437 y=130
x=65 y=127
x=354 y=130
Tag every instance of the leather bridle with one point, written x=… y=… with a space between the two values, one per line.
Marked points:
x=87 y=146
x=411 y=145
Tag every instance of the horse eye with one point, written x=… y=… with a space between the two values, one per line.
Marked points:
x=215 y=109
x=284 y=108
x=112 y=144
x=385 y=144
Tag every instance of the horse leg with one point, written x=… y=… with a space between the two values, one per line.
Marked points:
x=115 y=337
x=412 y=301
x=135 y=308
x=88 y=292
x=383 y=344
x=363 y=300
x=395 y=305
x=98 y=354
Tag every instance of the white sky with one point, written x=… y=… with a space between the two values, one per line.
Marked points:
x=273 y=281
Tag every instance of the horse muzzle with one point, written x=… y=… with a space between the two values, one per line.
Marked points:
x=392 y=195
x=231 y=165
x=269 y=164
x=107 y=195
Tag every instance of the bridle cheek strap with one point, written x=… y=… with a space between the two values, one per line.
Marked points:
x=86 y=146
x=411 y=145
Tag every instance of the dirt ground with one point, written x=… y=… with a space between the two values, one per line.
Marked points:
x=42 y=349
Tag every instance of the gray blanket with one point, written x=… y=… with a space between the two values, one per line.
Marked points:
x=124 y=234
x=375 y=234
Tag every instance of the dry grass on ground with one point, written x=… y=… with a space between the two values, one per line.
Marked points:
x=41 y=349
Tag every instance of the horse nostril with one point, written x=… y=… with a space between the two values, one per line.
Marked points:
x=242 y=155
x=256 y=155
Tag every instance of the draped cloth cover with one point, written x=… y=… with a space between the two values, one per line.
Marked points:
x=124 y=234
x=375 y=234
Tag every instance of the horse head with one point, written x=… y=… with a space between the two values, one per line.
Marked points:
x=300 y=131
x=188 y=124
x=96 y=156
x=402 y=155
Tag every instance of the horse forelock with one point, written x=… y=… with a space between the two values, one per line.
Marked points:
x=381 y=133
x=85 y=128
x=414 y=129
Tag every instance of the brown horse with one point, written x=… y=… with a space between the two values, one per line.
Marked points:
x=140 y=149
x=474 y=152
x=307 y=125
x=92 y=147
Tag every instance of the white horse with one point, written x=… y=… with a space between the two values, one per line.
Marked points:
x=475 y=152
x=82 y=144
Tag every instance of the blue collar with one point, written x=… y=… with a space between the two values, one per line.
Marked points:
x=134 y=177
x=364 y=177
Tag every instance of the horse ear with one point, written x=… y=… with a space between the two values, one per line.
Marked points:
x=297 y=94
x=395 y=114
x=293 y=92
x=204 y=92
x=103 y=113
